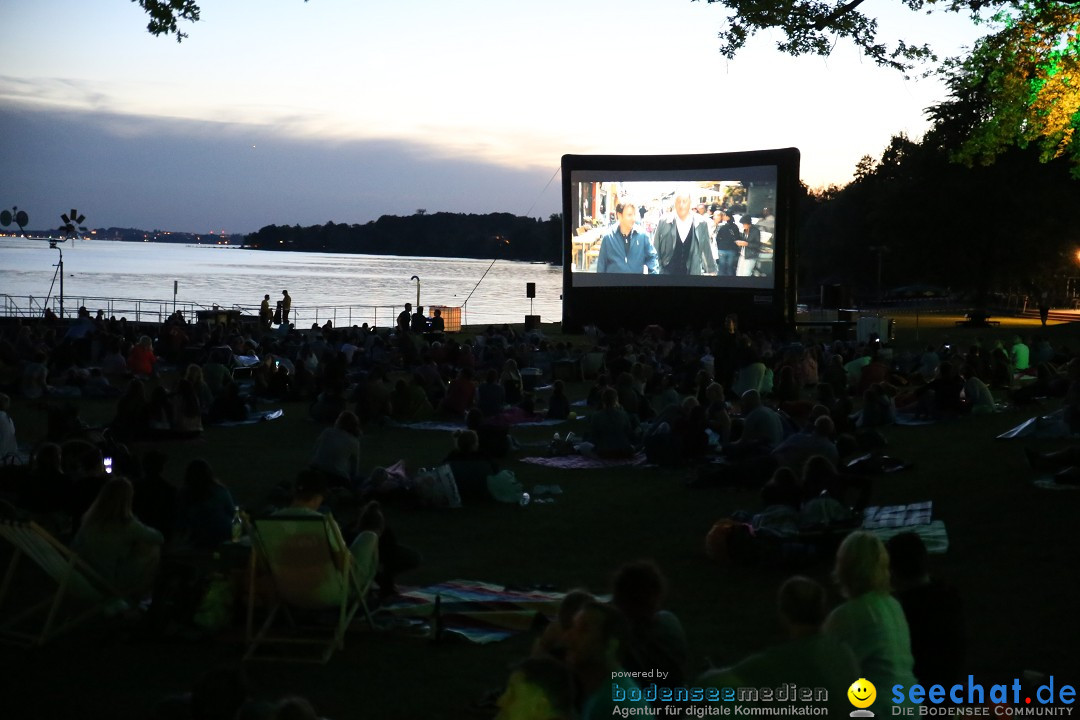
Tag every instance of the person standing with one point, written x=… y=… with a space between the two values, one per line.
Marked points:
x=404 y=319
x=265 y=314
x=286 y=306
x=750 y=242
x=727 y=248
x=1044 y=307
x=682 y=241
x=8 y=445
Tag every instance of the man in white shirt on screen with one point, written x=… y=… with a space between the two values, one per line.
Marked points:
x=682 y=241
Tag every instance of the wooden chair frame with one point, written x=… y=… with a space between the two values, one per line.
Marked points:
x=75 y=579
x=337 y=561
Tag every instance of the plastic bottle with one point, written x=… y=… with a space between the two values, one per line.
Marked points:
x=237 y=525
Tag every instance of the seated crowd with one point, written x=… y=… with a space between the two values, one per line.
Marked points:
x=752 y=410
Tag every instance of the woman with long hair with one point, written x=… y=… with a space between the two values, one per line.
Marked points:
x=870 y=620
x=187 y=410
x=113 y=541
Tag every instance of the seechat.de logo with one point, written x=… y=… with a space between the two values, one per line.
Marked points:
x=862 y=694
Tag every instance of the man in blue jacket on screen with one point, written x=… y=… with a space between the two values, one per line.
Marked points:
x=625 y=248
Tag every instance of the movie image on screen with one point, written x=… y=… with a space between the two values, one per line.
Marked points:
x=692 y=228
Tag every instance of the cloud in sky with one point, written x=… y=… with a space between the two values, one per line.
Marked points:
x=449 y=106
x=198 y=176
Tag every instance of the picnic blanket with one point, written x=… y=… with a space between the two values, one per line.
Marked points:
x=253 y=418
x=476 y=611
x=887 y=521
x=451 y=425
x=894 y=516
x=1047 y=482
x=911 y=419
x=1041 y=426
x=933 y=535
x=581 y=462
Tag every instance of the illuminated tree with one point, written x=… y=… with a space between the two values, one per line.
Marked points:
x=1020 y=86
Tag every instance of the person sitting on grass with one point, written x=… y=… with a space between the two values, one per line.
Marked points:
x=538 y=689
x=132 y=412
x=821 y=477
x=141 y=361
x=934 y=613
x=596 y=650
x=558 y=403
x=111 y=540
x=553 y=642
x=470 y=466
x=762 y=429
x=309 y=496
x=337 y=450
x=409 y=403
x=657 y=639
x=978 y=400
x=611 y=431
x=800 y=447
x=871 y=621
x=187 y=409
x=513 y=385
x=461 y=394
x=808 y=658
x=205 y=508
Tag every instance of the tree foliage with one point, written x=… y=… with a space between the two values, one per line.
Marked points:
x=440 y=234
x=1019 y=86
x=977 y=230
x=166 y=15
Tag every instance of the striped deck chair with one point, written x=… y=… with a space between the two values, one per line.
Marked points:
x=310 y=568
x=77 y=584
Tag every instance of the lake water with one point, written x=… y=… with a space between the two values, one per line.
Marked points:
x=348 y=288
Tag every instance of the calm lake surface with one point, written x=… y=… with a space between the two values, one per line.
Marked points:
x=346 y=288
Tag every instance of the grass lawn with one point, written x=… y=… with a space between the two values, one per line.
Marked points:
x=1014 y=556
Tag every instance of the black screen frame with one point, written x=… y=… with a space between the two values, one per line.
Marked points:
x=648 y=303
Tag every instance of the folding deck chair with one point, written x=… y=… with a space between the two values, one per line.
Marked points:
x=77 y=583
x=310 y=568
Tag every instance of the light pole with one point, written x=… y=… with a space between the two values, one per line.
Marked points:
x=60 y=270
x=417 y=279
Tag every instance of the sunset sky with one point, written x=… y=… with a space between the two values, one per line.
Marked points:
x=280 y=111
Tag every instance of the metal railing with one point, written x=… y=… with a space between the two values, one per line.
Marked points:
x=302 y=316
x=150 y=310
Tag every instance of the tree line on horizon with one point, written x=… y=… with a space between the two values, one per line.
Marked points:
x=921 y=218
x=441 y=234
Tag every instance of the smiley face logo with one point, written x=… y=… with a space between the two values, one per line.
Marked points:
x=862 y=693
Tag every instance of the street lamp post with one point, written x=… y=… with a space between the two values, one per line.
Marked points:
x=60 y=271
